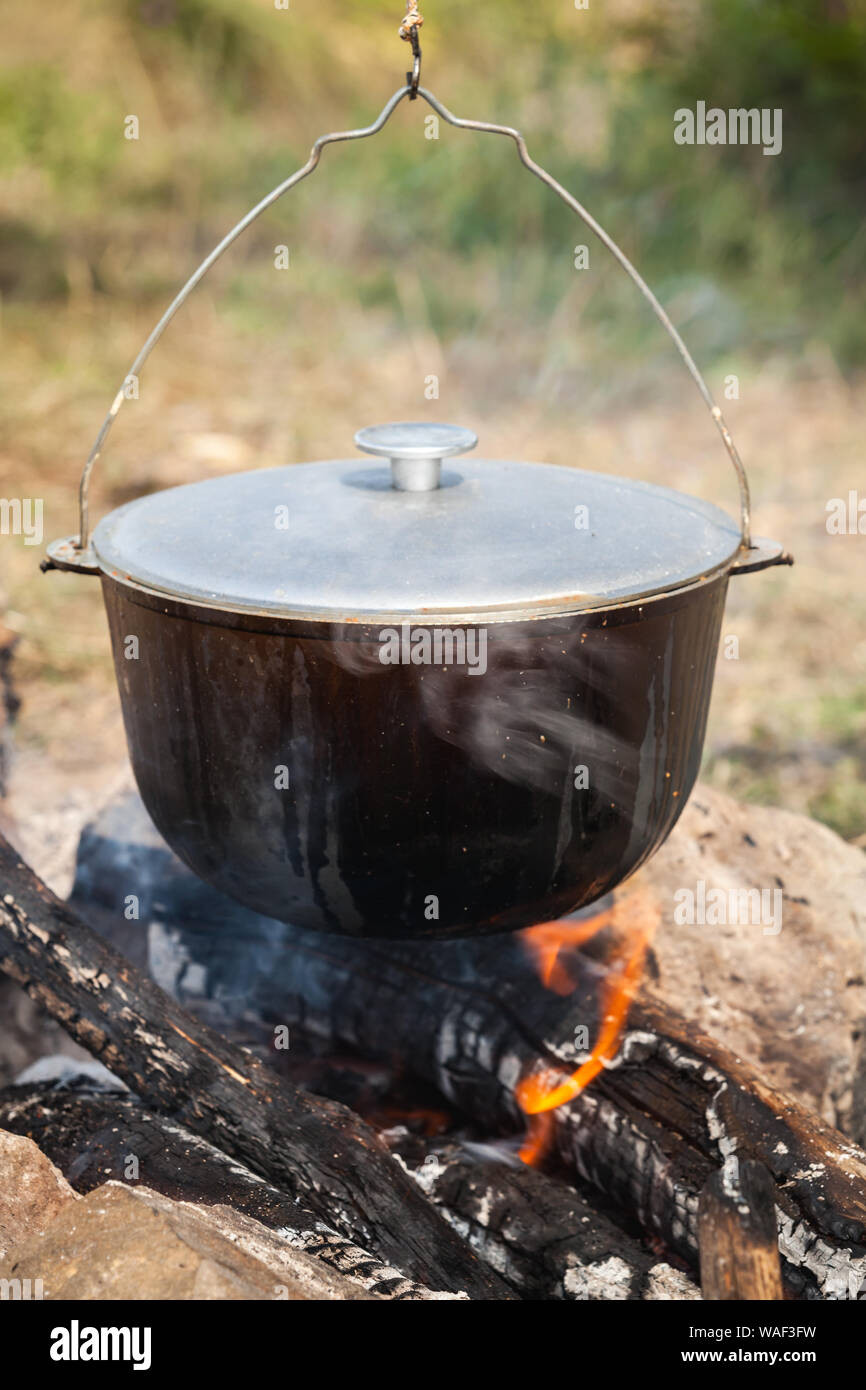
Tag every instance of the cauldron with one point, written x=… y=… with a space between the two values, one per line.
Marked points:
x=421 y=696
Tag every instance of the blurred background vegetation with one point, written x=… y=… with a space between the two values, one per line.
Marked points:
x=759 y=250
x=412 y=257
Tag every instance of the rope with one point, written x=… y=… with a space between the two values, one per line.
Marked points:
x=413 y=20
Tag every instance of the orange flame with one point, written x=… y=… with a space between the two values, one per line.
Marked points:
x=547 y=941
x=548 y=1088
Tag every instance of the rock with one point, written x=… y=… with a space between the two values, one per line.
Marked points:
x=32 y=1192
x=123 y=1242
x=792 y=1002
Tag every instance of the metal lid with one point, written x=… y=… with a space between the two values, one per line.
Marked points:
x=345 y=541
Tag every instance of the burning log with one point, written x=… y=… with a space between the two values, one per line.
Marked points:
x=318 y=1152
x=547 y=1240
x=649 y=1131
x=96 y=1135
x=737 y=1233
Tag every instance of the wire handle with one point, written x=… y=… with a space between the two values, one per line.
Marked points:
x=81 y=545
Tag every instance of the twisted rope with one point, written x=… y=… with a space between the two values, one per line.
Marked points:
x=413 y=20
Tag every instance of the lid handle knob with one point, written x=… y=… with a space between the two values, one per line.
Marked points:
x=416 y=451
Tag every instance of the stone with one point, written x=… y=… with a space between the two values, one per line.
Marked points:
x=122 y=1242
x=32 y=1192
x=793 y=1002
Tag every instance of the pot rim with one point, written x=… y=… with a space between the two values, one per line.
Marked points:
x=430 y=618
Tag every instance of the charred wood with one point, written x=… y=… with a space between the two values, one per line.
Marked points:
x=737 y=1234
x=545 y=1239
x=314 y=1150
x=9 y=701
x=96 y=1136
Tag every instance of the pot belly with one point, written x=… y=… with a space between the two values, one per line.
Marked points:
x=291 y=768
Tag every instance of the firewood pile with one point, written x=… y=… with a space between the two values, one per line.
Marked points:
x=280 y=1114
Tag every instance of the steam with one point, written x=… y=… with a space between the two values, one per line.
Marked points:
x=535 y=721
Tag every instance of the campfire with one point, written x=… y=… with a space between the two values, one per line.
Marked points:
x=504 y=1117
x=369 y=934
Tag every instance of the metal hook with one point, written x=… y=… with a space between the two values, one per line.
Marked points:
x=414 y=77
x=409 y=34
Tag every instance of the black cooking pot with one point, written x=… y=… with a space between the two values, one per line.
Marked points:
x=397 y=701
